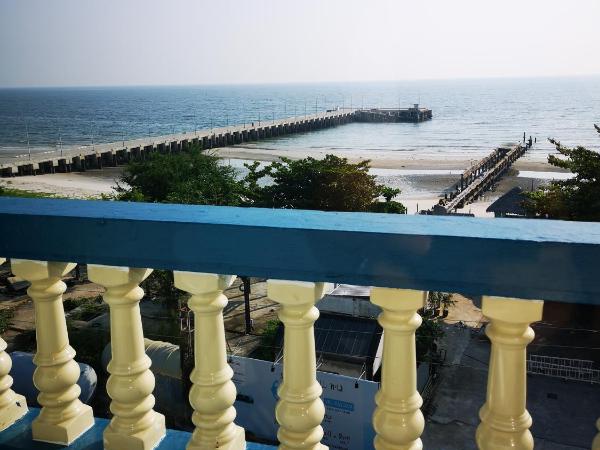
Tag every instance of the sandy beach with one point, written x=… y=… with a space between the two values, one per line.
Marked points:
x=379 y=159
x=420 y=189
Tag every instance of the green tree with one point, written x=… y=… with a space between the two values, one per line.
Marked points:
x=328 y=184
x=193 y=177
x=577 y=198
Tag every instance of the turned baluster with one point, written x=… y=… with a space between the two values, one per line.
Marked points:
x=398 y=420
x=135 y=425
x=596 y=443
x=63 y=417
x=213 y=393
x=300 y=409
x=12 y=405
x=505 y=421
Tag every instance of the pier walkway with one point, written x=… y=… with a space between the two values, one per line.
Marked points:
x=480 y=177
x=116 y=153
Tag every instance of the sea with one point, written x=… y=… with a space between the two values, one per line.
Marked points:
x=470 y=117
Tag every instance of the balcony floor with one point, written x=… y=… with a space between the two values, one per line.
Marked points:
x=18 y=436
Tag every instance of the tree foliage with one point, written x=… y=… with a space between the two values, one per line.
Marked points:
x=328 y=184
x=577 y=198
x=194 y=177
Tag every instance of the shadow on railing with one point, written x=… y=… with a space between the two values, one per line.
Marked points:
x=512 y=263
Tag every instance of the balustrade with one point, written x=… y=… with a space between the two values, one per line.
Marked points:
x=399 y=262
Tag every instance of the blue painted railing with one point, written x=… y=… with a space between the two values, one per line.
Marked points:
x=530 y=259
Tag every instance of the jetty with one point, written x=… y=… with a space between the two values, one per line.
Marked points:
x=113 y=154
x=479 y=178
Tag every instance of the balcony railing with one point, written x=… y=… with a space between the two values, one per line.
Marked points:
x=514 y=264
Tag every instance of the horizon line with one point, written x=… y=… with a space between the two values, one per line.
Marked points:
x=283 y=83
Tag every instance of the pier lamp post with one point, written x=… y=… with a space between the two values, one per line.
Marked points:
x=305 y=108
x=92 y=136
x=316 y=101
x=259 y=118
x=28 y=146
x=122 y=136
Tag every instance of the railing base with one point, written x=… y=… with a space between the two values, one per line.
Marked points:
x=64 y=433
x=18 y=437
x=147 y=439
x=13 y=412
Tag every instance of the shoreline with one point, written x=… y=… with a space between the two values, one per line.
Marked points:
x=379 y=160
x=419 y=190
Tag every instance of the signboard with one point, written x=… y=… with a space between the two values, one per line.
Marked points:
x=349 y=404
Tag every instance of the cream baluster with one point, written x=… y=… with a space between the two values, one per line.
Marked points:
x=596 y=443
x=300 y=409
x=135 y=425
x=505 y=420
x=12 y=405
x=63 y=417
x=398 y=420
x=213 y=393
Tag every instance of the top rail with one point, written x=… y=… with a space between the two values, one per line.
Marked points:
x=532 y=259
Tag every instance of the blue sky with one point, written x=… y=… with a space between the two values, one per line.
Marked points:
x=135 y=42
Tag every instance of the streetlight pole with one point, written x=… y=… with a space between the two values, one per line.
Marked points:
x=28 y=146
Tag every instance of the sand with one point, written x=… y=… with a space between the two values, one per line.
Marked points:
x=418 y=191
x=92 y=183
x=380 y=160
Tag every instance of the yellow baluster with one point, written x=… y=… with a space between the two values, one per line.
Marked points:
x=300 y=409
x=398 y=420
x=505 y=420
x=135 y=425
x=596 y=443
x=12 y=405
x=63 y=417
x=213 y=393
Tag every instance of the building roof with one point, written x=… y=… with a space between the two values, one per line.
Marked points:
x=342 y=338
x=351 y=290
x=510 y=203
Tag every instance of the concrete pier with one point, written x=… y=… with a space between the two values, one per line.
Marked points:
x=479 y=178
x=116 y=153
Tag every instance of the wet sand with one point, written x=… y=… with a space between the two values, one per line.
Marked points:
x=379 y=159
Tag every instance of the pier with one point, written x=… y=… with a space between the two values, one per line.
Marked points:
x=479 y=178
x=117 y=153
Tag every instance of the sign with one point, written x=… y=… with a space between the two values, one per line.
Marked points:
x=349 y=404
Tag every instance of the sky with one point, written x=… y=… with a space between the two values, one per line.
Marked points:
x=184 y=42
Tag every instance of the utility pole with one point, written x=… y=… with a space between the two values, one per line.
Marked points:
x=60 y=142
x=245 y=288
x=28 y=146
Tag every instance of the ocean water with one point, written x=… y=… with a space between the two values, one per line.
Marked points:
x=470 y=117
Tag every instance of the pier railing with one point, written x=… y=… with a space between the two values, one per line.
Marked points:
x=515 y=265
